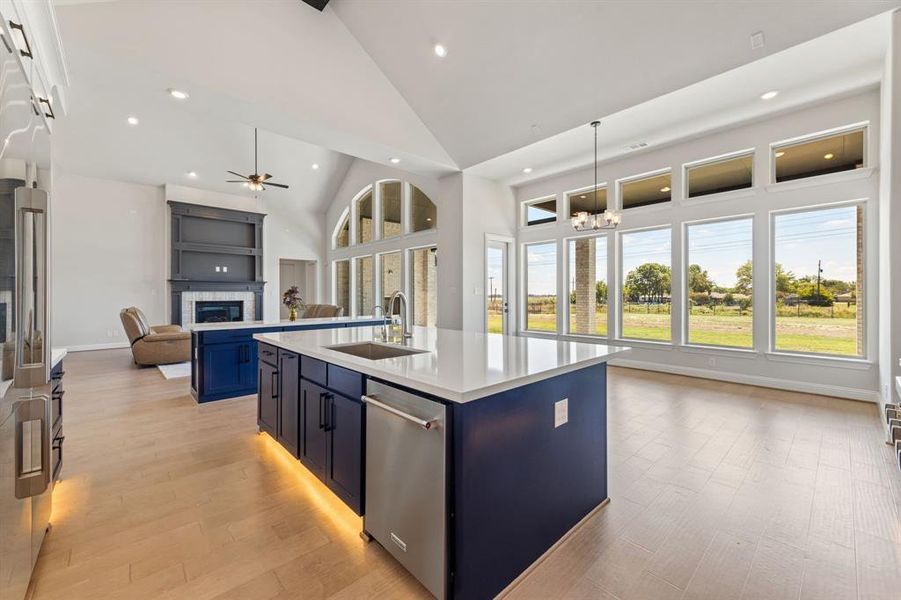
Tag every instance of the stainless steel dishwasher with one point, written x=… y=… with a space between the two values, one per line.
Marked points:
x=405 y=481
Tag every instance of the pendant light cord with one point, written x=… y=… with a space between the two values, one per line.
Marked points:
x=595 y=124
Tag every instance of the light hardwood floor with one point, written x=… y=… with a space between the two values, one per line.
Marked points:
x=717 y=490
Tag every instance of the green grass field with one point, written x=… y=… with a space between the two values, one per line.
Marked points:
x=817 y=334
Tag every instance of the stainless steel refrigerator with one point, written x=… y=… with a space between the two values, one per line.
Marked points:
x=25 y=427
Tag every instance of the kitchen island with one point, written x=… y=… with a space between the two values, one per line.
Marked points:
x=224 y=355
x=469 y=455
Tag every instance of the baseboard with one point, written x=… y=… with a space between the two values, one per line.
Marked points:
x=758 y=380
x=89 y=347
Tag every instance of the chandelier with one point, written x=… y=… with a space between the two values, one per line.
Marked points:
x=609 y=219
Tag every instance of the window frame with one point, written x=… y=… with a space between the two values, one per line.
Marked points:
x=686 y=167
x=379 y=293
x=620 y=203
x=524 y=302
x=408 y=278
x=684 y=291
x=621 y=281
x=355 y=261
x=771 y=350
x=524 y=212
x=567 y=209
x=567 y=277
x=355 y=216
x=863 y=126
x=378 y=207
x=350 y=283
x=344 y=218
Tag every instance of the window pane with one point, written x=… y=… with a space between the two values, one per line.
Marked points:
x=819 y=281
x=721 y=176
x=391 y=208
x=541 y=211
x=343 y=237
x=495 y=270
x=364 y=218
x=647 y=284
x=719 y=283
x=832 y=154
x=424 y=286
x=541 y=278
x=584 y=202
x=389 y=275
x=647 y=191
x=342 y=286
x=364 y=283
x=588 y=286
x=423 y=211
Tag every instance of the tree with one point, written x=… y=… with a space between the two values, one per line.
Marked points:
x=600 y=292
x=744 y=279
x=698 y=280
x=651 y=281
x=785 y=280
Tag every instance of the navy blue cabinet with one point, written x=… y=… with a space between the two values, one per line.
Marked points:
x=288 y=404
x=314 y=437
x=267 y=398
x=344 y=469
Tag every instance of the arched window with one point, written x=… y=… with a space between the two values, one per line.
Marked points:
x=342 y=232
x=423 y=212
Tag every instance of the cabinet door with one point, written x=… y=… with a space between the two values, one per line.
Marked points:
x=312 y=434
x=248 y=368
x=222 y=368
x=267 y=398
x=345 y=429
x=288 y=405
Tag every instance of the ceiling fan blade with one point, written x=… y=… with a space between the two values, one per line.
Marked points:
x=265 y=176
x=235 y=181
x=238 y=174
x=278 y=185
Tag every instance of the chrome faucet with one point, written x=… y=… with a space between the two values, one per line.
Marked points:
x=376 y=308
x=405 y=326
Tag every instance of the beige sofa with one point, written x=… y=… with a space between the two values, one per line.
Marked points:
x=157 y=345
x=319 y=311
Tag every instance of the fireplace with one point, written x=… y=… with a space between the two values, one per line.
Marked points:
x=218 y=311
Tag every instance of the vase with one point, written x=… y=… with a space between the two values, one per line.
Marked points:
x=292 y=313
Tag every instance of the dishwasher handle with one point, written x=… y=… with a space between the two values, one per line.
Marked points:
x=379 y=404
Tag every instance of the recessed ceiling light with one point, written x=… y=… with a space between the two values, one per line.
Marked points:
x=178 y=94
x=780 y=154
x=440 y=51
x=315 y=166
x=527 y=170
x=394 y=160
x=582 y=196
x=191 y=174
x=133 y=120
x=829 y=156
x=769 y=95
x=665 y=189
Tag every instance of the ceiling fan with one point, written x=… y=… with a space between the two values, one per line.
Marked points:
x=256 y=181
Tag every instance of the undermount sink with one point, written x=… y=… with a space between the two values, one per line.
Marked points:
x=373 y=351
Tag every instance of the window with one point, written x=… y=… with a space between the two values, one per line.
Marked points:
x=342 y=286
x=584 y=201
x=588 y=285
x=541 y=286
x=537 y=212
x=390 y=194
x=342 y=237
x=647 y=283
x=423 y=264
x=364 y=218
x=645 y=191
x=389 y=275
x=725 y=175
x=423 y=211
x=364 y=284
x=719 y=283
x=818 y=281
x=819 y=156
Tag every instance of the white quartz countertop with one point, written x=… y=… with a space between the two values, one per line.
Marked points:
x=458 y=366
x=56 y=355
x=279 y=323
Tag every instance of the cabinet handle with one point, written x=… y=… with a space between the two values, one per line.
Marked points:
x=330 y=426
x=274 y=384
x=321 y=398
x=27 y=51
x=50 y=114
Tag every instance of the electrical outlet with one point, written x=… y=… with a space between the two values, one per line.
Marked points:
x=561 y=412
x=218 y=268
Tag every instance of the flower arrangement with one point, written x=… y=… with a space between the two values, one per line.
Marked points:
x=291 y=298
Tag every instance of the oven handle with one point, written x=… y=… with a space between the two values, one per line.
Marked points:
x=378 y=404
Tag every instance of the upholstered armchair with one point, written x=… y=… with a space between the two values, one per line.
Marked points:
x=319 y=311
x=156 y=345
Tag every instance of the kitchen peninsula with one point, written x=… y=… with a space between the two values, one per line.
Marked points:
x=224 y=355
x=469 y=455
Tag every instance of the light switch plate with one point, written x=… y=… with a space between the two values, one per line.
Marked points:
x=561 y=412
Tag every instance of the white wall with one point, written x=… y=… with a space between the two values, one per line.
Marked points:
x=890 y=219
x=841 y=378
x=107 y=253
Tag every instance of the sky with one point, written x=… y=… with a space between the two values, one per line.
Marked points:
x=721 y=247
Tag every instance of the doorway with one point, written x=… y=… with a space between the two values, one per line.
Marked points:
x=301 y=273
x=497 y=286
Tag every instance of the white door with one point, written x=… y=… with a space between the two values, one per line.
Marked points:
x=497 y=306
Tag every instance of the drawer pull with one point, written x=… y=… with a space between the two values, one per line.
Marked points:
x=27 y=51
